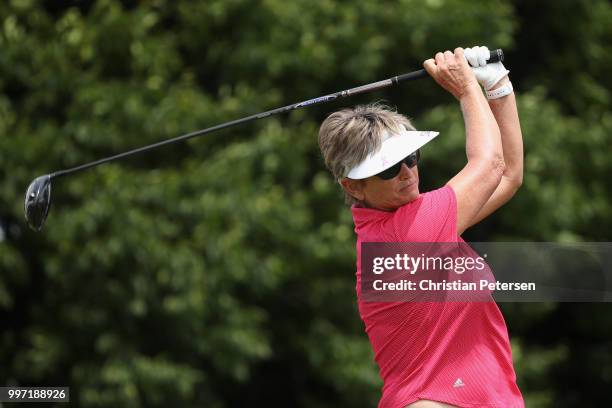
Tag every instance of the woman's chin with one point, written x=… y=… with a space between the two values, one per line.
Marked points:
x=414 y=195
x=411 y=191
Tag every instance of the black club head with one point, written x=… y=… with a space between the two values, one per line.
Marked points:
x=37 y=202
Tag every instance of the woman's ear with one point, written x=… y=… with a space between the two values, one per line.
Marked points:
x=353 y=187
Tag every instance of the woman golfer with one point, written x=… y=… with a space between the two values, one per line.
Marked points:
x=433 y=354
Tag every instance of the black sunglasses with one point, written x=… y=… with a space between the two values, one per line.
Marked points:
x=411 y=160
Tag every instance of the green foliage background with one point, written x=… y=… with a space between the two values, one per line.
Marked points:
x=220 y=272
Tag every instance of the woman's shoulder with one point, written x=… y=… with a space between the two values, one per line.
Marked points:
x=429 y=218
x=439 y=197
x=444 y=191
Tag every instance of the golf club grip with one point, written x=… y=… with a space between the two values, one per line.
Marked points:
x=496 y=55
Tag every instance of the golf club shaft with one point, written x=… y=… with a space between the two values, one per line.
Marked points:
x=496 y=55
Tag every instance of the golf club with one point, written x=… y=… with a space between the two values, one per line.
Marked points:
x=38 y=196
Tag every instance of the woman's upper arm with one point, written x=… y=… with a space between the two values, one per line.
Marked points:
x=473 y=186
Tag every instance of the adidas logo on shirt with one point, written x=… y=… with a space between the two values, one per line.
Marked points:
x=458 y=383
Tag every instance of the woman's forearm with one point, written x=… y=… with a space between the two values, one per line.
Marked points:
x=482 y=132
x=506 y=114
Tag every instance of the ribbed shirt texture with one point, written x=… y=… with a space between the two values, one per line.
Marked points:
x=456 y=353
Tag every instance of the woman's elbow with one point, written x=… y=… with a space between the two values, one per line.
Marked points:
x=498 y=167
x=516 y=182
x=512 y=185
x=488 y=170
x=515 y=177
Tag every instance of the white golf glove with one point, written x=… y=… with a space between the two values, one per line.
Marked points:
x=486 y=74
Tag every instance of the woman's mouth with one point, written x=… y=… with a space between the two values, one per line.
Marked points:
x=407 y=186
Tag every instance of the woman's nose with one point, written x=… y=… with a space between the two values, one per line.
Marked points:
x=405 y=172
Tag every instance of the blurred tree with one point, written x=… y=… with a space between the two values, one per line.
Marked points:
x=220 y=272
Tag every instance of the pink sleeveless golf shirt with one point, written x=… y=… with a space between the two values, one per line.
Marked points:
x=457 y=353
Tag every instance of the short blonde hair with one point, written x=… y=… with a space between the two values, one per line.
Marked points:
x=349 y=136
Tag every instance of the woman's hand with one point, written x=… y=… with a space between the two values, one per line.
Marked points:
x=488 y=75
x=452 y=72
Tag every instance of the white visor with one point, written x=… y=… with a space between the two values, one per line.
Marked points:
x=394 y=148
